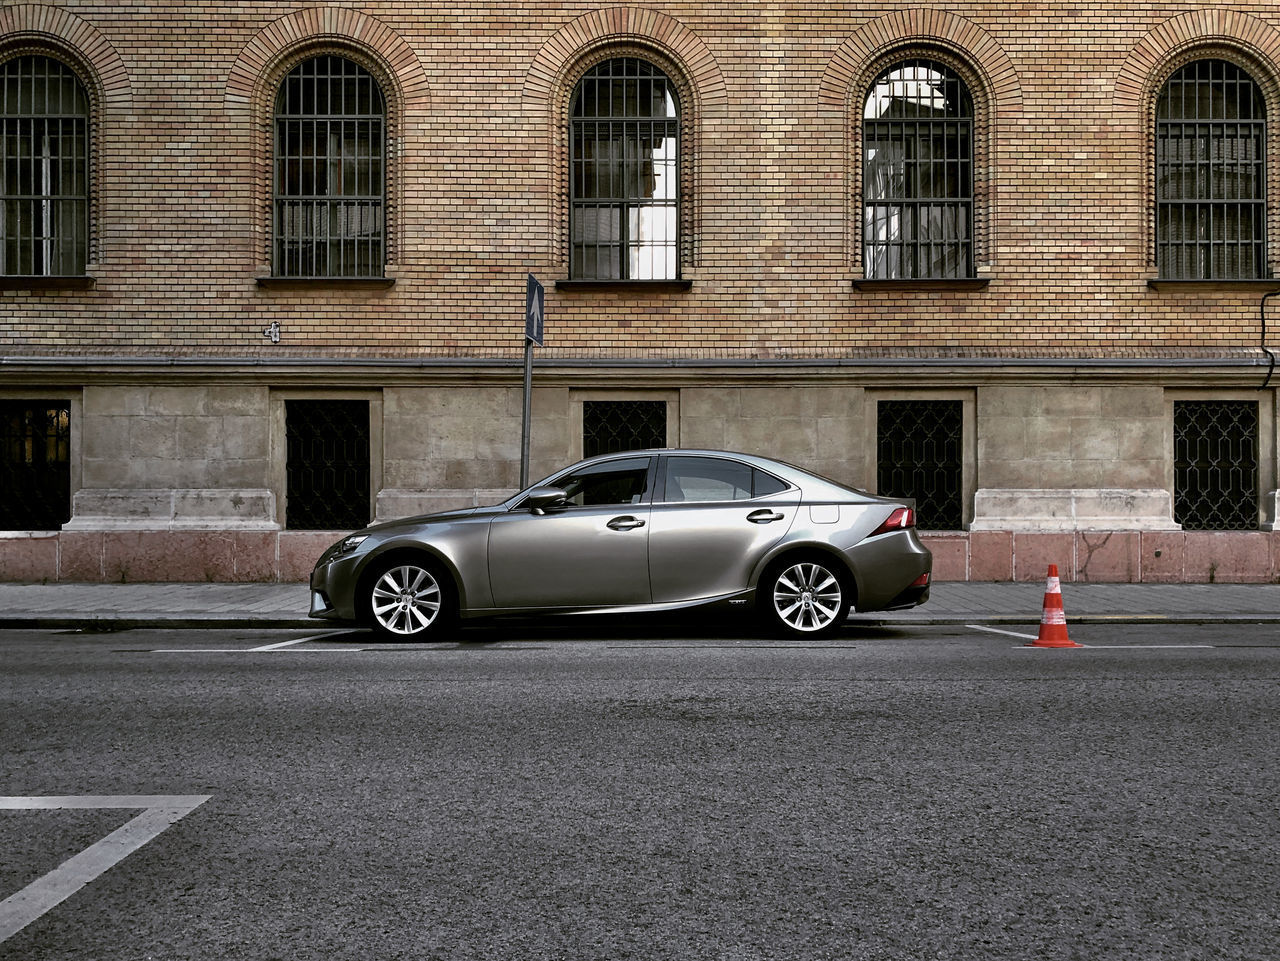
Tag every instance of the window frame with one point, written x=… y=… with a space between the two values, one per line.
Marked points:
x=755 y=473
x=356 y=69
x=627 y=202
x=576 y=446
x=610 y=467
x=73 y=402
x=279 y=474
x=80 y=199
x=964 y=123
x=1212 y=131
x=968 y=443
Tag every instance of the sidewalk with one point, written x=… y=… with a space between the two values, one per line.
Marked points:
x=125 y=606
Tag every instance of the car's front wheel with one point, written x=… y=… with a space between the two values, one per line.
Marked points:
x=408 y=600
x=805 y=597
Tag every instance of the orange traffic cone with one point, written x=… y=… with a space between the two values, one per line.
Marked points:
x=1053 y=622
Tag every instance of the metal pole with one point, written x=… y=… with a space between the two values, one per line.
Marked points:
x=524 y=431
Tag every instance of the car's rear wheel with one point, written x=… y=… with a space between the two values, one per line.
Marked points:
x=805 y=597
x=408 y=600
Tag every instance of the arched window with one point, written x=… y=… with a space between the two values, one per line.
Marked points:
x=44 y=169
x=624 y=174
x=1210 y=174
x=330 y=172
x=917 y=177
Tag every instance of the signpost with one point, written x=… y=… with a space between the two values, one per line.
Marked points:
x=534 y=300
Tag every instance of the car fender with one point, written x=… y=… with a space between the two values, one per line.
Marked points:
x=804 y=546
x=470 y=581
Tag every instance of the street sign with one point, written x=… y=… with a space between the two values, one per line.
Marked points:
x=534 y=299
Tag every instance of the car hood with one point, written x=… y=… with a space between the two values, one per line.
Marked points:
x=438 y=517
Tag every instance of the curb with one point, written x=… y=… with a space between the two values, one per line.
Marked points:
x=193 y=622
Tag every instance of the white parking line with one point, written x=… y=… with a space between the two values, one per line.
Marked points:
x=160 y=811
x=1097 y=647
x=996 y=630
x=301 y=640
x=279 y=646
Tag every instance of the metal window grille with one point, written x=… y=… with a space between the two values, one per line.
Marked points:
x=624 y=163
x=1215 y=465
x=918 y=174
x=44 y=163
x=35 y=465
x=329 y=172
x=328 y=464
x=610 y=426
x=919 y=453
x=1211 y=174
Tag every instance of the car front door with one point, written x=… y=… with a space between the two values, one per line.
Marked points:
x=591 y=552
x=713 y=519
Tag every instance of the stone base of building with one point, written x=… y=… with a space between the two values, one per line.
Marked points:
x=1122 y=556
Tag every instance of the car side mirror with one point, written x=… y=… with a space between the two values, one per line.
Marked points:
x=543 y=499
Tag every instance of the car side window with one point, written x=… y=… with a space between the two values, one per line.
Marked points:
x=614 y=482
x=692 y=479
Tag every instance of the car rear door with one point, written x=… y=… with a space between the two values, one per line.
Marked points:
x=712 y=520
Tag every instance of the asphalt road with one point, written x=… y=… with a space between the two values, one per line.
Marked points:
x=635 y=790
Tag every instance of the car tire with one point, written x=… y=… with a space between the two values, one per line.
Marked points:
x=805 y=597
x=409 y=599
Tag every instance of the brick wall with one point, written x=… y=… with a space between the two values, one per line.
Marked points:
x=182 y=134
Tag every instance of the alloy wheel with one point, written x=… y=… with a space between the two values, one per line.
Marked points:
x=807 y=597
x=406 y=600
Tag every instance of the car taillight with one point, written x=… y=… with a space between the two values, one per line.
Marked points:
x=899 y=520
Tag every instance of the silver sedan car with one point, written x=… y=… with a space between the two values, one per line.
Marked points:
x=637 y=531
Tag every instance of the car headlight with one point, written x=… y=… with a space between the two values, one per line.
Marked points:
x=349 y=544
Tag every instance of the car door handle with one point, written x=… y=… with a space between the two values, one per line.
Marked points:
x=764 y=517
x=625 y=523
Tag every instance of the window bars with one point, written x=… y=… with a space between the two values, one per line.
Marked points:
x=624 y=183
x=44 y=169
x=1215 y=465
x=919 y=454
x=1210 y=174
x=918 y=174
x=329 y=172
x=327 y=466
x=610 y=426
x=35 y=465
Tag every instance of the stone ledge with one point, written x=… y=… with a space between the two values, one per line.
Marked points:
x=113 y=509
x=1082 y=509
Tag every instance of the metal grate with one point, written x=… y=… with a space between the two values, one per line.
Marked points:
x=1210 y=174
x=328 y=464
x=918 y=174
x=329 y=171
x=610 y=426
x=1215 y=465
x=919 y=454
x=35 y=465
x=44 y=163
x=624 y=174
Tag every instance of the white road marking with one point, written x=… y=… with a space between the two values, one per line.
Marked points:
x=996 y=630
x=1150 y=647
x=301 y=640
x=1098 y=647
x=43 y=894
x=279 y=646
x=254 y=650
